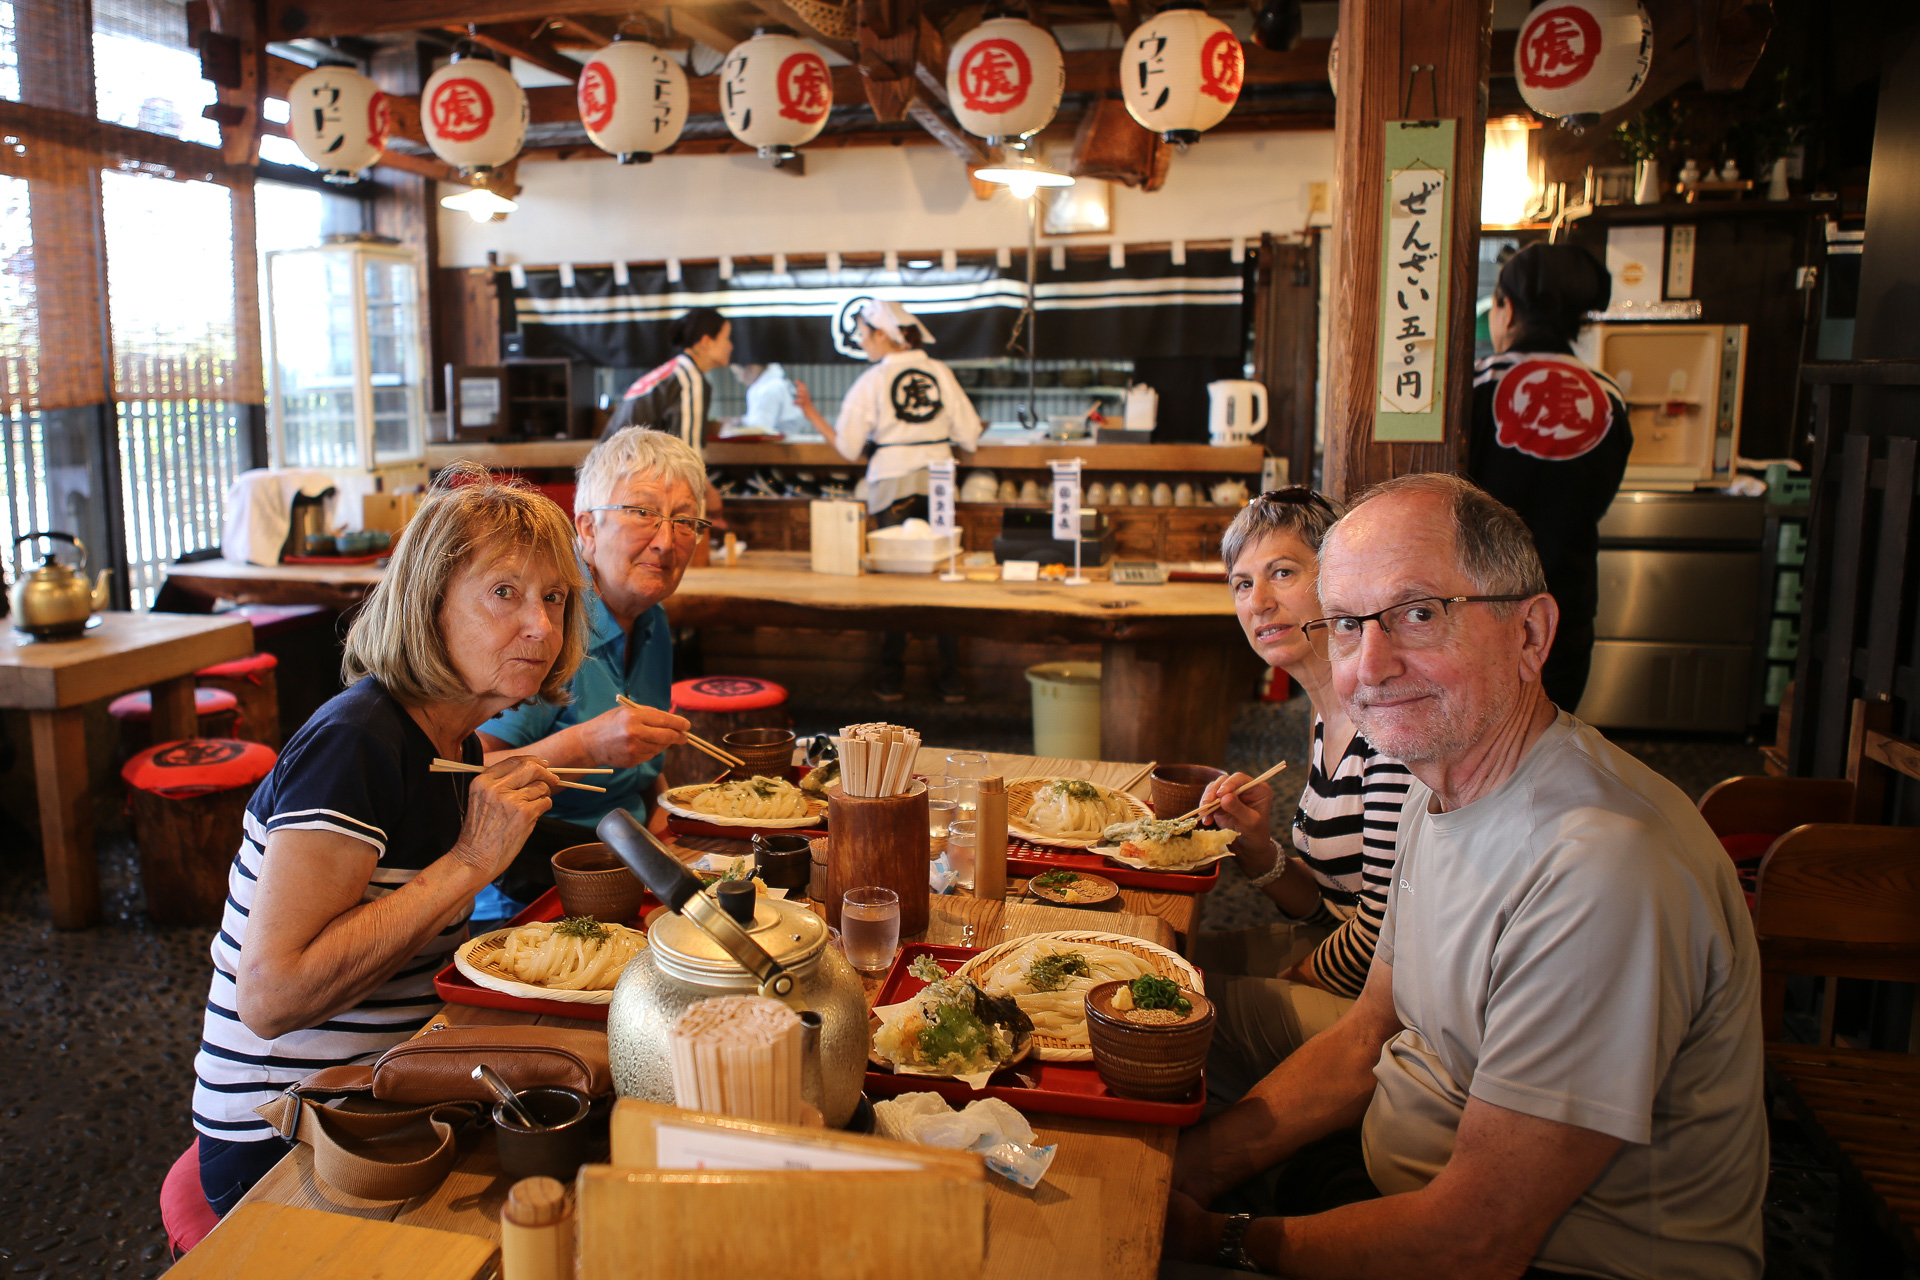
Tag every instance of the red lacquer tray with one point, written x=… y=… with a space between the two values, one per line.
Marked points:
x=1062 y=1088
x=456 y=987
x=1028 y=859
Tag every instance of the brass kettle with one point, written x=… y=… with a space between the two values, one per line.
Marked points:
x=54 y=600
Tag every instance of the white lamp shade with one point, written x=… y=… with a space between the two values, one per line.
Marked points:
x=1180 y=73
x=473 y=114
x=775 y=91
x=1583 y=57
x=339 y=120
x=1005 y=78
x=633 y=99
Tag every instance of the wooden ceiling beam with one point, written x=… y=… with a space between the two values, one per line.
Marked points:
x=525 y=41
x=716 y=31
x=304 y=19
x=787 y=16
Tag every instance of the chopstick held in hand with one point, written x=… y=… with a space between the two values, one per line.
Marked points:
x=694 y=740
x=1214 y=803
x=461 y=766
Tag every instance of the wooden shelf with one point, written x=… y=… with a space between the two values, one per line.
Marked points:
x=1223 y=460
x=1683 y=211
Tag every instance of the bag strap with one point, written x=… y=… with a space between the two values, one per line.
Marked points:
x=347 y=1145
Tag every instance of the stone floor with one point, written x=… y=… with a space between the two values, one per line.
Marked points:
x=101 y=1026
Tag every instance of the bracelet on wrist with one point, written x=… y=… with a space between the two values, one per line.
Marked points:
x=1279 y=868
x=1232 y=1252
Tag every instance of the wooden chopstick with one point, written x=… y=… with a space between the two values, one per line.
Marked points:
x=695 y=741
x=1139 y=777
x=461 y=766
x=1214 y=803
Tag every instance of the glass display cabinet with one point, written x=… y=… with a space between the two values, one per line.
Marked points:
x=348 y=357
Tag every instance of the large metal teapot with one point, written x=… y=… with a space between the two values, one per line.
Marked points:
x=697 y=950
x=55 y=600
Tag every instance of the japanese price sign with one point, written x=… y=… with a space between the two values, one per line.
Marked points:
x=1066 y=500
x=940 y=496
x=1414 y=262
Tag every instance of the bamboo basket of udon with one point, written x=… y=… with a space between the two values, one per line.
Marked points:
x=877 y=822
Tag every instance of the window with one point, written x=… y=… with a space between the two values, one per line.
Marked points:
x=144 y=75
x=23 y=452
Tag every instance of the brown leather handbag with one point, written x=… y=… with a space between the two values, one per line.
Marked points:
x=408 y=1145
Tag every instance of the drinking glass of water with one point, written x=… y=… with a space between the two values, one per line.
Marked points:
x=870 y=927
x=961 y=844
x=966 y=768
x=942 y=786
x=939 y=814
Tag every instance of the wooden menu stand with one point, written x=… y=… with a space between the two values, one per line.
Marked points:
x=869 y=1209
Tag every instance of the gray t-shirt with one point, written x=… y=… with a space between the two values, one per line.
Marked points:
x=1575 y=946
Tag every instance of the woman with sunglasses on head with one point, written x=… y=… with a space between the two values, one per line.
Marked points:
x=639 y=512
x=1277 y=986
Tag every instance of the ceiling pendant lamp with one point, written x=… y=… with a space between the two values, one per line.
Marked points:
x=1005 y=78
x=1579 y=59
x=474 y=115
x=633 y=100
x=1023 y=174
x=1181 y=71
x=775 y=92
x=340 y=120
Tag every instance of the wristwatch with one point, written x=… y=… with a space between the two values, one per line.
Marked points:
x=1232 y=1252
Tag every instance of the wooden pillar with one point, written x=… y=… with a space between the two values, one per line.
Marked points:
x=1286 y=347
x=1381 y=45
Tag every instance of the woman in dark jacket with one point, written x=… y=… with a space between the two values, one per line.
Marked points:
x=1550 y=436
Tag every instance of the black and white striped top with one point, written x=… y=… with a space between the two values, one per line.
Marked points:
x=1345 y=830
x=359 y=767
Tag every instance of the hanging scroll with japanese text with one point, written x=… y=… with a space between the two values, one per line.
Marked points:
x=1413 y=281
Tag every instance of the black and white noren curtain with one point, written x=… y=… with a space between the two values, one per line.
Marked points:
x=1088 y=311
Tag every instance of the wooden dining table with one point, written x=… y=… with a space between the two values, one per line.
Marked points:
x=1101 y=1210
x=52 y=680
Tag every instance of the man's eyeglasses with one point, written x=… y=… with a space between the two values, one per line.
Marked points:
x=1415 y=624
x=645 y=521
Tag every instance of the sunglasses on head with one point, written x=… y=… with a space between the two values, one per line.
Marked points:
x=1297 y=495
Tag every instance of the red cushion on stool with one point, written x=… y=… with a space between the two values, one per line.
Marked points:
x=195 y=766
x=1744 y=846
x=138 y=705
x=273 y=619
x=727 y=693
x=184 y=1210
x=247 y=668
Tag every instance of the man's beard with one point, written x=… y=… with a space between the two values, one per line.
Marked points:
x=1442 y=735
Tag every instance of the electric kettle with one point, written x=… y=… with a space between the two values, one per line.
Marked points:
x=1236 y=410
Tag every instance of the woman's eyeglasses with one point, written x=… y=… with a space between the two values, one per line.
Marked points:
x=645 y=521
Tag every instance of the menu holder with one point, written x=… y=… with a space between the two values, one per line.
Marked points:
x=822 y=1202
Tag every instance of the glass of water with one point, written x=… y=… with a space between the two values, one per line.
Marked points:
x=966 y=768
x=870 y=927
x=961 y=844
x=939 y=814
x=941 y=786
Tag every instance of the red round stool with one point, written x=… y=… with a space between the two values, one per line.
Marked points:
x=188 y=800
x=718 y=705
x=252 y=682
x=217 y=710
x=184 y=1210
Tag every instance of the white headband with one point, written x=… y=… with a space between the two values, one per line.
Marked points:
x=890 y=318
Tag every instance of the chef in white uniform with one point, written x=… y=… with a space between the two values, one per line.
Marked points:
x=903 y=413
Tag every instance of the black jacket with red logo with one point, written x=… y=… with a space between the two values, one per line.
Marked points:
x=1550 y=439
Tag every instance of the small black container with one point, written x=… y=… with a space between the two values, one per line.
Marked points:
x=784 y=862
x=556 y=1151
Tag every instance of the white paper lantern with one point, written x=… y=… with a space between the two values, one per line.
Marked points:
x=633 y=100
x=1579 y=59
x=1005 y=78
x=339 y=120
x=1180 y=73
x=775 y=92
x=1333 y=63
x=474 y=115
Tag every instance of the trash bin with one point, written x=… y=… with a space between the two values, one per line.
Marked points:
x=1066 y=709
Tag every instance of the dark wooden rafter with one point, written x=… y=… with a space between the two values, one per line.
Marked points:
x=784 y=14
x=889 y=40
x=527 y=41
x=716 y=31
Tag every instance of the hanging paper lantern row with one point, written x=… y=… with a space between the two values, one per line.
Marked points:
x=339 y=120
x=1579 y=59
x=1181 y=72
x=1005 y=78
x=775 y=92
x=474 y=115
x=633 y=100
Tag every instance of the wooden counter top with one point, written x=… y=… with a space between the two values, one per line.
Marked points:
x=1234 y=460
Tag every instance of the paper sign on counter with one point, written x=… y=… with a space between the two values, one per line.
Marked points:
x=701 y=1147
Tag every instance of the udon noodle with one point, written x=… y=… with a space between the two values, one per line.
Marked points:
x=1070 y=807
x=755 y=797
x=1049 y=980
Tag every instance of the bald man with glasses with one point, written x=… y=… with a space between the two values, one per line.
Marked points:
x=1555 y=1065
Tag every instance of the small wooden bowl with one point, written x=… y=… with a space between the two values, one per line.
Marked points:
x=766 y=752
x=593 y=882
x=1154 y=1062
x=1177 y=787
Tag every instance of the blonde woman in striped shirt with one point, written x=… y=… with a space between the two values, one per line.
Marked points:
x=1278 y=985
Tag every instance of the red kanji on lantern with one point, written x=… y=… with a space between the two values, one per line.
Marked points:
x=461 y=110
x=803 y=86
x=1551 y=409
x=379 y=120
x=597 y=95
x=1222 y=67
x=1560 y=49
x=995 y=76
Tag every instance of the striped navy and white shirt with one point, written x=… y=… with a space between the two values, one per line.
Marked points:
x=670 y=398
x=1345 y=830
x=359 y=767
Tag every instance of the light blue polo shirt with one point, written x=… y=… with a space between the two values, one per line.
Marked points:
x=604 y=674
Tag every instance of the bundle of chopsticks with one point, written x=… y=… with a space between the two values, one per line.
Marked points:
x=876 y=759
